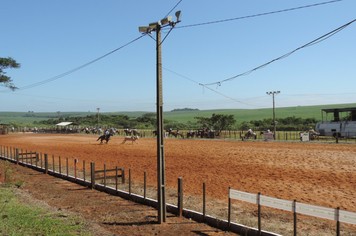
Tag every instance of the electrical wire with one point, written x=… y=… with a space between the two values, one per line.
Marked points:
x=209 y=88
x=73 y=70
x=173 y=8
x=318 y=40
x=256 y=15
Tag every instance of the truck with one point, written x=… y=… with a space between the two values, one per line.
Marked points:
x=339 y=122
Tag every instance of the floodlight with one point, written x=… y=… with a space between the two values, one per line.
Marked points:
x=143 y=28
x=178 y=15
x=153 y=25
x=166 y=20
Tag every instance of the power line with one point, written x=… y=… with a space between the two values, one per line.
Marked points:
x=208 y=88
x=256 y=15
x=73 y=70
x=318 y=40
x=173 y=8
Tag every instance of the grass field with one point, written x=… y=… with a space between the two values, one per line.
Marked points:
x=240 y=115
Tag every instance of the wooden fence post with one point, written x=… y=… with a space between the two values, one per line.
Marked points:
x=104 y=177
x=60 y=165
x=84 y=171
x=229 y=210
x=295 y=217
x=259 y=214
x=92 y=167
x=67 y=169
x=144 y=186
x=53 y=164
x=180 y=196
x=116 y=179
x=17 y=156
x=130 y=182
x=338 y=221
x=204 y=201
x=123 y=175
x=46 y=163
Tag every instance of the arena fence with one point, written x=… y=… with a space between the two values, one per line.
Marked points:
x=225 y=134
x=293 y=206
x=43 y=163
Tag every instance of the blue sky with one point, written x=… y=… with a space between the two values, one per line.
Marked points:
x=49 y=38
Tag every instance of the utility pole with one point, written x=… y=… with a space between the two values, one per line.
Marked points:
x=161 y=179
x=58 y=115
x=274 y=114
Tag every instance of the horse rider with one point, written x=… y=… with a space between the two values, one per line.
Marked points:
x=106 y=132
x=249 y=131
x=268 y=131
x=177 y=130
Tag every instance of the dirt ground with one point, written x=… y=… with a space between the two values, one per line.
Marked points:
x=315 y=173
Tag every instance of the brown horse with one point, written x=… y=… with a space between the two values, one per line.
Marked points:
x=104 y=137
x=250 y=135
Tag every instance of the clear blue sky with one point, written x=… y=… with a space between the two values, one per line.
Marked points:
x=49 y=38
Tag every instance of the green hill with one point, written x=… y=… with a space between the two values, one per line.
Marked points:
x=184 y=116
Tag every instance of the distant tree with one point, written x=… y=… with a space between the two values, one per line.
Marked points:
x=217 y=121
x=6 y=63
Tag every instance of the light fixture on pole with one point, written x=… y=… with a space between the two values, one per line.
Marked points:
x=274 y=114
x=161 y=179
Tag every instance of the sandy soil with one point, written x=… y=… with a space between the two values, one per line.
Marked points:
x=314 y=173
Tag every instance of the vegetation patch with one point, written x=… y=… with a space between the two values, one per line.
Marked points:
x=18 y=218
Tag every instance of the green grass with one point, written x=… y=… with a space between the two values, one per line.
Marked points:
x=21 y=219
x=240 y=115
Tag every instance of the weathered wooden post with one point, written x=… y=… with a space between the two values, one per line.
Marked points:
x=259 y=213
x=295 y=217
x=116 y=179
x=123 y=175
x=84 y=172
x=229 y=210
x=144 y=186
x=338 y=221
x=59 y=166
x=104 y=177
x=180 y=196
x=53 y=164
x=130 y=183
x=46 y=163
x=17 y=156
x=204 y=201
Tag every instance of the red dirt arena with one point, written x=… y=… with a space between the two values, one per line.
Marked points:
x=315 y=173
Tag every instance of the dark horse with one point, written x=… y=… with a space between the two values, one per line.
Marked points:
x=104 y=137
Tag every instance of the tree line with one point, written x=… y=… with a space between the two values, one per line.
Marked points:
x=216 y=122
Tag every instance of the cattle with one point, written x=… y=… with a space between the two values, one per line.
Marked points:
x=132 y=138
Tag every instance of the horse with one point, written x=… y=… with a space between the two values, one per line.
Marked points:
x=250 y=135
x=132 y=138
x=191 y=134
x=104 y=137
x=175 y=134
x=128 y=132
